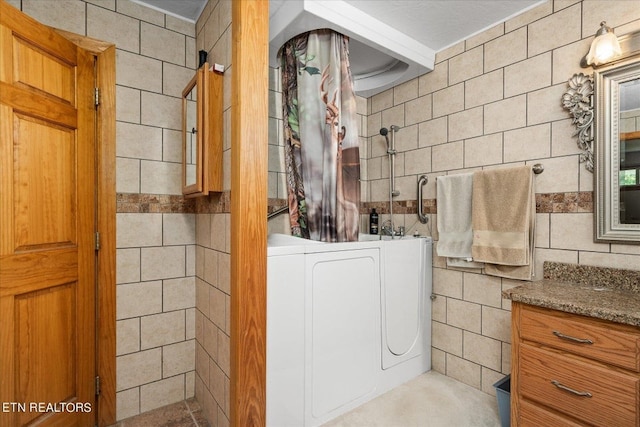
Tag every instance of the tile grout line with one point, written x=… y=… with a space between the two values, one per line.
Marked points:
x=195 y=423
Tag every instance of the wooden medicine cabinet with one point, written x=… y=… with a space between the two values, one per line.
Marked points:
x=202 y=134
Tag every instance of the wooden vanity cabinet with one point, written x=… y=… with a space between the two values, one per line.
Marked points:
x=572 y=370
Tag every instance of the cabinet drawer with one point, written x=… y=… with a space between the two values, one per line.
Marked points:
x=614 y=395
x=615 y=345
x=534 y=416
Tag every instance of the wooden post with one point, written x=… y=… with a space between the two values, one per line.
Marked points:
x=249 y=143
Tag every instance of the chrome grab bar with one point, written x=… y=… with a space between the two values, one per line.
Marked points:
x=277 y=212
x=421 y=182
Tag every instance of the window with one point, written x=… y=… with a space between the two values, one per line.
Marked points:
x=629 y=177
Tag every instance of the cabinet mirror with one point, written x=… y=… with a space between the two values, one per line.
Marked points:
x=202 y=134
x=617 y=152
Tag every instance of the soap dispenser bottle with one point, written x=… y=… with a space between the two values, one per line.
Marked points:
x=373 y=222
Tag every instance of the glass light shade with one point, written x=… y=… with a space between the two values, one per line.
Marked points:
x=604 y=47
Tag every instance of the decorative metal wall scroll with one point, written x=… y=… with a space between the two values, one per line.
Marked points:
x=579 y=101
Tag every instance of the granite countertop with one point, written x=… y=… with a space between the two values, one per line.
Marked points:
x=603 y=293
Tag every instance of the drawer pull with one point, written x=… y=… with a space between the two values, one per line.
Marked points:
x=570 y=390
x=570 y=338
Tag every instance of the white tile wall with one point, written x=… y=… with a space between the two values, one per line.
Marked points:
x=466 y=66
x=69 y=15
x=175 y=79
x=527 y=75
x=212 y=251
x=171 y=146
x=140 y=72
x=464 y=315
x=465 y=124
x=166 y=262
x=432 y=132
x=178 y=358
x=136 y=230
x=138 y=368
x=162 y=329
x=104 y=24
x=128 y=402
x=510 y=113
x=447 y=101
x=160 y=177
x=464 y=370
x=484 y=89
x=161 y=43
x=533 y=142
x=178 y=229
x=127 y=265
x=482 y=289
x=564 y=25
x=161 y=393
x=128 y=333
x=138 y=142
x=482 y=350
x=483 y=151
x=505 y=50
x=446 y=338
x=138 y=299
x=128 y=106
x=161 y=110
x=128 y=178
x=179 y=293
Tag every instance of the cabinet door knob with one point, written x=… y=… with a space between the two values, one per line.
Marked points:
x=570 y=390
x=570 y=338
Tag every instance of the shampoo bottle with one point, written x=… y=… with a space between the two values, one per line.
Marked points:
x=373 y=222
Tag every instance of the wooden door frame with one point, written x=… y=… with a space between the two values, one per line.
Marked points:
x=106 y=222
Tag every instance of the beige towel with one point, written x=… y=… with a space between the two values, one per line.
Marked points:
x=454 y=219
x=504 y=221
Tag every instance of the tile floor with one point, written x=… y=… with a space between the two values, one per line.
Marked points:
x=187 y=413
x=430 y=400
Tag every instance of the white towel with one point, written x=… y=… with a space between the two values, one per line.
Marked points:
x=454 y=194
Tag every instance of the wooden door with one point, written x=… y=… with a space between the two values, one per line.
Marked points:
x=47 y=224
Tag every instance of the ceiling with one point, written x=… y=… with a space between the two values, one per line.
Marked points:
x=189 y=10
x=435 y=23
x=397 y=38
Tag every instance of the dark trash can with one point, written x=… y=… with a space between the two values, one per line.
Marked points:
x=503 y=394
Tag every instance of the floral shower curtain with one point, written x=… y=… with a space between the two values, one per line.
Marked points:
x=321 y=137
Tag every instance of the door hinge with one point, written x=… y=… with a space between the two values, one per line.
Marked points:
x=97 y=385
x=97 y=240
x=96 y=97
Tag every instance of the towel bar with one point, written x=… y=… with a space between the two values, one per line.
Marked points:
x=538 y=168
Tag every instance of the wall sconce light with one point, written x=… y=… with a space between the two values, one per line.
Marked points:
x=604 y=47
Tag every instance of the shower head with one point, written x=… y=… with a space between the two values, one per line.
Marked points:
x=385 y=132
